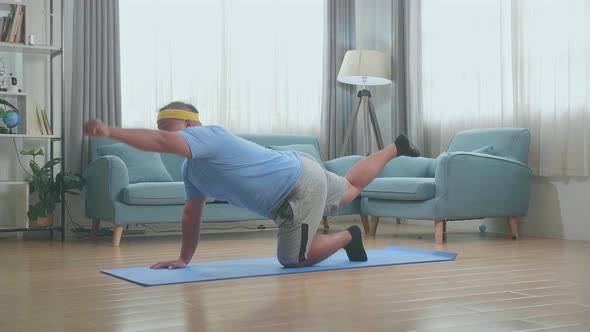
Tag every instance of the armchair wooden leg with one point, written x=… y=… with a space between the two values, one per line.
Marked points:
x=95 y=228
x=365 y=221
x=438 y=231
x=513 y=227
x=117 y=232
x=373 y=225
x=444 y=226
x=325 y=220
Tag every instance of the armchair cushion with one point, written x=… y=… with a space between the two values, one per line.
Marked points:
x=156 y=193
x=403 y=189
x=305 y=148
x=141 y=166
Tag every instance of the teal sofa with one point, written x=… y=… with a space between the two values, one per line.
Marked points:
x=482 y=174
x=120 y=195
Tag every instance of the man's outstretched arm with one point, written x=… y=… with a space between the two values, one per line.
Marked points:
x=143 y=139
x=191 y=230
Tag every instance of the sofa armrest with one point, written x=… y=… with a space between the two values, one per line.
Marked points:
x=106 y=177
x=475 y=185
x=341 y=165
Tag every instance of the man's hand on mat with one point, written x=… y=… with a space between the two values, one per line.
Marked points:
x=96 y=128
x=175 y=264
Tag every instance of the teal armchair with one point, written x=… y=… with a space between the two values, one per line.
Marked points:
x=482 y=174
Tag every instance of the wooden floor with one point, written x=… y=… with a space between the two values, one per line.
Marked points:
x=496 y=284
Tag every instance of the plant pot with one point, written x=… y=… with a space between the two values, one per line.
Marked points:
x=42 y=222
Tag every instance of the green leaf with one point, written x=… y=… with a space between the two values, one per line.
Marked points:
x=4 y=102
x=42 y=213
x=32 y=152
x=51 y=163
x=27 y=152
x=35 y=168
x=32 y=213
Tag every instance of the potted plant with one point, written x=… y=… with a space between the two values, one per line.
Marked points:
x=48 y=188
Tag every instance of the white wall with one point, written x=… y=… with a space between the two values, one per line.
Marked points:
x=560 y=207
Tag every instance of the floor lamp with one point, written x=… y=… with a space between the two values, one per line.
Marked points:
x=364 y=67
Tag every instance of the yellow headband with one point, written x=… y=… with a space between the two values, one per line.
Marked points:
x=178 y=115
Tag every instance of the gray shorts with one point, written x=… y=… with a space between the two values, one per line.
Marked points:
x=298 y=216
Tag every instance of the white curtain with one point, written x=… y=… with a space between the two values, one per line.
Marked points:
x=247 y=65
x=523 y=63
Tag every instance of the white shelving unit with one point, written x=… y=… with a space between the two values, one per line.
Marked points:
x=15 y=94
x=29 y=136
x=39 y=71
x=27 y=49
x=12 y=194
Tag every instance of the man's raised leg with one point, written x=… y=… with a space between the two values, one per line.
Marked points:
x=367 y=169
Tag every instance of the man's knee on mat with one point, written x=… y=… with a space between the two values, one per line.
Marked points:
x=290 y=263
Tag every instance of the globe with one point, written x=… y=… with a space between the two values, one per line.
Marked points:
x=11 y=119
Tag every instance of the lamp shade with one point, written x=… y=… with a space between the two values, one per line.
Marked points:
x=365 y=67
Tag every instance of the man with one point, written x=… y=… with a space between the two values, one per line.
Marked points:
x=289 y=187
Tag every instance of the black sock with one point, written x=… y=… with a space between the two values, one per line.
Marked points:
x=404 y=148
x=355 y=249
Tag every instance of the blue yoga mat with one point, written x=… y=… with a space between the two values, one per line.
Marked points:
x=267 y=266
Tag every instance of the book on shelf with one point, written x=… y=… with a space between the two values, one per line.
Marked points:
x=33 y=126
x=37 y=120
x=5 y=25
x=13 y=25
x=32 y=122
x=20 y=33
x=47 y=126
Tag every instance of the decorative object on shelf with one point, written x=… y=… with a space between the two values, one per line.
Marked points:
x=13 y=84
x=10 y=117
x=48 y=188
x=31 y=40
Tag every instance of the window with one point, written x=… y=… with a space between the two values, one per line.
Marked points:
x=247 y=65
x=522 y=63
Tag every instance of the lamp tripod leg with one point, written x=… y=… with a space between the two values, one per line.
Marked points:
x=367 y=128
x=375 y=125
x=350 y=126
